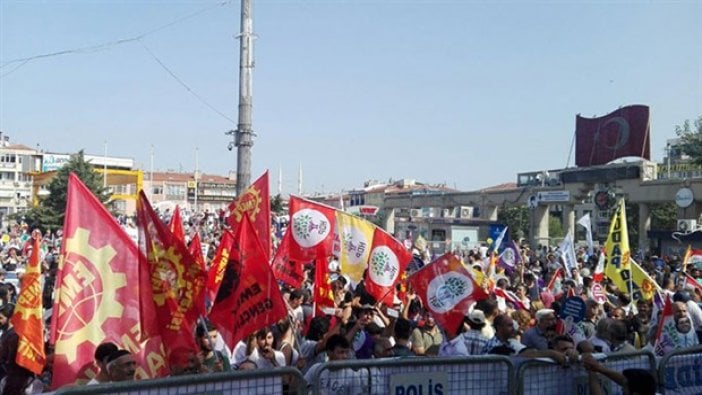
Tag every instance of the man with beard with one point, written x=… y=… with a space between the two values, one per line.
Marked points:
x=212 y=359
x=427 y=339
x=536 y=337
x=683 y=324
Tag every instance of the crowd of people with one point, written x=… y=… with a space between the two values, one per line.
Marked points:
x=526 y=325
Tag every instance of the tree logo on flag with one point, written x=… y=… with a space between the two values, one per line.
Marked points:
x=384 y=267
x=310 y=227
x=355 y=244
x=88 y=294
x=249 y=202
x=445 y=292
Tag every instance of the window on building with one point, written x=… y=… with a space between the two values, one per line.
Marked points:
x=157 y=190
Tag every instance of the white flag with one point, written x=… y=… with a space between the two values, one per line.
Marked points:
x=567 y=250
x=584 y=221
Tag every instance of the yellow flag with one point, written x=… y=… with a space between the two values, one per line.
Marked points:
x=618 y=255
x=644 y=285
x=356 y=238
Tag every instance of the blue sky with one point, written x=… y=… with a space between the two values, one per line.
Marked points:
x=463 y=92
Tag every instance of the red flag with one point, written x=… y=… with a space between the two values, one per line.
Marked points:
x=598 y=276
x=219 y=264
x=555 y=281
x=176 y=225
x=447 y=290
x=97 y=292
x=509 y=296
x=177 y=280
x=27 y=319
x=623 y=132
x=312 y=226
x=692 y=257
x=388 y=260
x=323 y=294
x=253 y=300
x=284 y=268
x=195 y=249
x=692 y=283
x=667 y=335
x=256 y=202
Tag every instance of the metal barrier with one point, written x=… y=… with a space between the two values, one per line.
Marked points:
x=680 y=372
x=545 y=377
x=415 y=376
x=263 y=381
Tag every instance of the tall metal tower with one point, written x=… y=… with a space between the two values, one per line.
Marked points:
x=243 y=135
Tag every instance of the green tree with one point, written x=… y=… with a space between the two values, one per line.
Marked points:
x=277 y=205
x=691 y=139
x=517 y=219
x=48 y=215
x=555 y=229
x=664 y=216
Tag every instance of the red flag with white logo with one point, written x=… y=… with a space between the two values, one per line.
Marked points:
x=447 y=290
x=285 y=269
x=312 y=229
x=249 y=298
x=388 y=260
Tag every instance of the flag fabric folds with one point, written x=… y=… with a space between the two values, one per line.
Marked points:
x=567 y=249
x=253 y=300
x=176 y=225
x=617 y=252
x=218 y=265
x=27 y=318
x=388 y=260
x=285 y=269
x=586 y=223
x=177 y=281
x=256 y=202
x=510 y=257
x=447 y=290
x=667 y=335
x=312 y=229
x=96 y=291
x=598 y=276
x=692 y=257
x=355 y=239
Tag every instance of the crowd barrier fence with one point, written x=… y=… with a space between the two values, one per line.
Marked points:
x=486 y=375
x=680 y=372
x=545 y=377
x=249 y=382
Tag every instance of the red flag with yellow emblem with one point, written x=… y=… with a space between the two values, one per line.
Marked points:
x=177 y=281
x=249 y=298
x=219 y=264
x=96 y=292
x=256 y=202
x=27 y=319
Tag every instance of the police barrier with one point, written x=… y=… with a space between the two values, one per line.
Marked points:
x=545 y=377
x=249 y=382
x=415 y=376
x=680 y=372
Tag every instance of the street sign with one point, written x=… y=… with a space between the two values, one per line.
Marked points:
x=553 y=196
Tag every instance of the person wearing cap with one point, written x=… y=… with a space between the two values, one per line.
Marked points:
x=536 y=337
x=473 y=337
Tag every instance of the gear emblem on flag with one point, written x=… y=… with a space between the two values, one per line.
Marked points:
x=167 y=275
x=88 y=294
x=249 y=202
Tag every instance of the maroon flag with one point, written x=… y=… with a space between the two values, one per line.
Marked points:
x=388 y=260
x=624 y=132
x=284 y=268
x=249 y=298
x=177 y=280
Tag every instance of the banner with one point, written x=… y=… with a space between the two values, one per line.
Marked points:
x=447 y=290
x=617 y=253
x=356 y=237
x=388 y=260
x=285 y=269
x=312 y=226
x=254 y=300
x=256 y=202
x=96 y=292
x=510 y=257
x=28 y=316
x=585 y=222
x=176 y=298
x=624 y=132
x=218 y=265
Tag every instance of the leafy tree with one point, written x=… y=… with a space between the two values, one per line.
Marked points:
x=48 y=215
x=555 y=228
x=277 y=205
x=691 y=139
x=664 y=216
x=517 y=219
